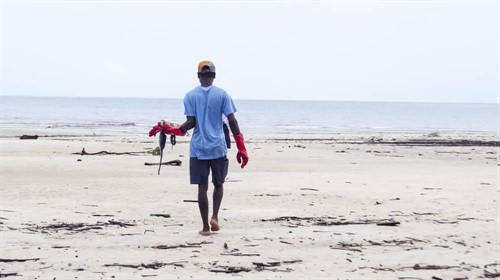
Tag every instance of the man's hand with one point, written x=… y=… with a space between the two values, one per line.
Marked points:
x=170 y=128
x=242 y=155
x=167 y=128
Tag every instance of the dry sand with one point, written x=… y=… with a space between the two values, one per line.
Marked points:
x=88 y=217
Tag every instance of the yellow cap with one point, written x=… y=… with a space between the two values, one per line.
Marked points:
x=206 y=63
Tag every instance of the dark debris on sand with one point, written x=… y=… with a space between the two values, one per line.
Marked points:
x=77 y=227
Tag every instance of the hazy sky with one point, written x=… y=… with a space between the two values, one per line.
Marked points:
x=429 y=51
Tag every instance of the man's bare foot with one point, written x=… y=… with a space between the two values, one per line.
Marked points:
x=204 y=233
x=214 y=225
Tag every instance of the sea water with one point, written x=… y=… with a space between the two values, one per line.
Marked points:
x=256 y=117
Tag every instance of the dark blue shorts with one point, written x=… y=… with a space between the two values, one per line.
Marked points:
x=200 y=169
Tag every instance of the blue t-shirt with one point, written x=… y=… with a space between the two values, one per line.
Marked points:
x=208 y=105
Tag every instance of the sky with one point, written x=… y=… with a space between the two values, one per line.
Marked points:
x=407 y=51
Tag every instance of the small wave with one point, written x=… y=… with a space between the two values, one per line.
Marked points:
x=91 y=125
x=127 y=124
x=114 y=124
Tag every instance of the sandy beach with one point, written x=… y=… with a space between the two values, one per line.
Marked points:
x=305 y=207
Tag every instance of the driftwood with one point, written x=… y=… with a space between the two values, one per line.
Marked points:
x=78 y=227
x=424 y=214
x=432 y=267
x=113 y=222
x=358 y=247
x=492 y=264
x=259 y=266
x=230 y=269
x=444 y=221
x=85 y=153
x=187 y=245
x=240 y=254
x=390 y=223
x=410 y=142
x=102 y=215
x=331 y=221
x=163 y=215
x=290 y=262
x=19 y=260
x=268 y=264
x=414 y=267
x=488 y=274
x=154 y=265
x=349 y=247
x=9 y=274
x=29 y=137
x=379 y=268
x=166 y=247
x=175 y=162
x=274 y=269
x=445 y=143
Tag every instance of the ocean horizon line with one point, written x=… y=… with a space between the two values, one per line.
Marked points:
x=246 y=99
x=259 y=116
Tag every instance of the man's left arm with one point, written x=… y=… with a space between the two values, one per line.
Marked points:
x=242 y=155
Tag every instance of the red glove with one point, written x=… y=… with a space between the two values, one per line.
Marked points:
x=241 y=156
x=167 y=129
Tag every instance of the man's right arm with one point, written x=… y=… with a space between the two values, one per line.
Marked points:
x=188 y=124
x=175 y=129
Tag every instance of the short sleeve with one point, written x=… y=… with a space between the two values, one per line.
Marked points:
x=228 y=107
x=188 y=106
